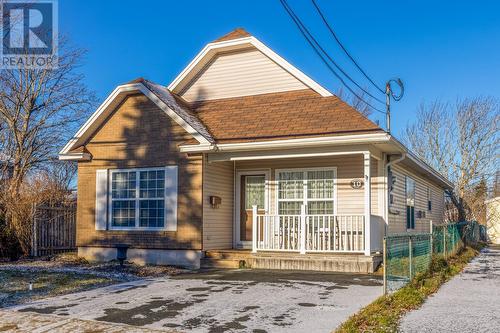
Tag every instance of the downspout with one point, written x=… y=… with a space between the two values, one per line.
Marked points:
x=388 y=165
x=234 y=207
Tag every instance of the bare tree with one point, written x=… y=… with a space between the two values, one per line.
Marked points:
x=355 y=101
x=461 y=141
x=39 y=109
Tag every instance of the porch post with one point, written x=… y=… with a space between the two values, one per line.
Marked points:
x=254 y=228
x=303 y=229
x=366 y=156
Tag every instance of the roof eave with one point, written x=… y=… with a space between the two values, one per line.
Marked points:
x=115 y=97
x=421 y=164
x=75 y=157
x=317 y=141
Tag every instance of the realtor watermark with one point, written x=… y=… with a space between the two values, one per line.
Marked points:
x=29 y=34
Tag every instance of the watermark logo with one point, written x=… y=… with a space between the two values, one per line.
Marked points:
x=29 y=34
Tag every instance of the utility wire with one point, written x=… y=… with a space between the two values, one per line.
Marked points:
x=299 y=22
x=312 y=41
x=343 y=48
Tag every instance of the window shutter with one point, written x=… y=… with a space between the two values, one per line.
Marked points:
x=171 y=197
x=101 y=199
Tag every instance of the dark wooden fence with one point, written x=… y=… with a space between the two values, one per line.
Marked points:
x=54 y=230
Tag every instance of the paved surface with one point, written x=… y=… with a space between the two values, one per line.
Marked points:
x=223 y=301
x=17 y=322
x=470 y=302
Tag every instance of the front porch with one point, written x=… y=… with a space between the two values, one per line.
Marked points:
x=320 y=212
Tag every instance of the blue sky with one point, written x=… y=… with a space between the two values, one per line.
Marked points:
x=440 y=49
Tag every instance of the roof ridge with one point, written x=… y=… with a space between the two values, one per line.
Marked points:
x=234 y=34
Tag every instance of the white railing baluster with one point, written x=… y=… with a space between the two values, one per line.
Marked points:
x=351 y=236
x=303 y=218
x=254 y=228
x=345 y=235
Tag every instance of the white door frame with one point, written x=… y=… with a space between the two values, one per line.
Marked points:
x=237 y=243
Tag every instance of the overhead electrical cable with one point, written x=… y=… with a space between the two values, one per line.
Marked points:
x=299 y=23
x=319 y=50
x=325 y=21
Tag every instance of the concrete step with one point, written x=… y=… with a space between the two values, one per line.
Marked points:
x=353 y=263
x=228 y=254
x=221 y=263
x=324 y=264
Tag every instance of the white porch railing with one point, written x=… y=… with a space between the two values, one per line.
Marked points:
x=308 y=233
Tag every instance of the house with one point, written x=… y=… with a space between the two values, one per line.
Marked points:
x=493 y=219
x=244 y=159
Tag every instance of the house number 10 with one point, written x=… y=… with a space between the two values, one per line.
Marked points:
x=356 y=183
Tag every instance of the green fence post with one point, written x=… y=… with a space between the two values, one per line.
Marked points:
x=444 y=240
x=432 y=237
x=385 y=265
x=410 y=245
x=454 y=240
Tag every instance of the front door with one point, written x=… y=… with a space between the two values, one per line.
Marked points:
x=252 y=193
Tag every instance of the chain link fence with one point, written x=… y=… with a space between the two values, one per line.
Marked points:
x=406 y=255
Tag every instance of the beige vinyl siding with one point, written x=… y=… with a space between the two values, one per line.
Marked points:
x=397 y=223
x=218 y=222
x=240 y=73
x=374 y=186
x=349 y=167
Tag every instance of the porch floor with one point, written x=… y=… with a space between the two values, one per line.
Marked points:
x=325 y=262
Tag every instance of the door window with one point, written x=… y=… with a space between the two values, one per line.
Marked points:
x=254 y=191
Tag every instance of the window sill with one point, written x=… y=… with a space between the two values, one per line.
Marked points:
x=140 y=229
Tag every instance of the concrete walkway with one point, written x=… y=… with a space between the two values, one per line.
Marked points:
x=19 y=322
x=255 y=301
x=470 y=302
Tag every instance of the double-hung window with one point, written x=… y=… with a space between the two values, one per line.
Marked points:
x=137 y=198
x=313 y=188
x=429 y=199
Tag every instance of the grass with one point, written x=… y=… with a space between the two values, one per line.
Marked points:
x=71 y=260
x=66 y=273
x=383 y=314
x=14 y=284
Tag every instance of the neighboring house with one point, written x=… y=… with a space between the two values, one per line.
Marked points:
x=244 y=151
x=493 y=219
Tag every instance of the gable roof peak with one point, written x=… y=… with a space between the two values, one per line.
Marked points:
x=235 y=34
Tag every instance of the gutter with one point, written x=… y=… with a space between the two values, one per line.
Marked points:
x=290 y=143
x=421 y=163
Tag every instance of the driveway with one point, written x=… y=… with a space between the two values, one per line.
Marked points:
x=470 y=302
x=223 y=301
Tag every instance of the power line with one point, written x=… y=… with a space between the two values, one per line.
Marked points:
x=312 y=41
x=343 y=48
x=299 y=23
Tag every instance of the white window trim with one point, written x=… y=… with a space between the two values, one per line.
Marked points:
x=137 y=200
x=306 y=200
x=414 y=203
